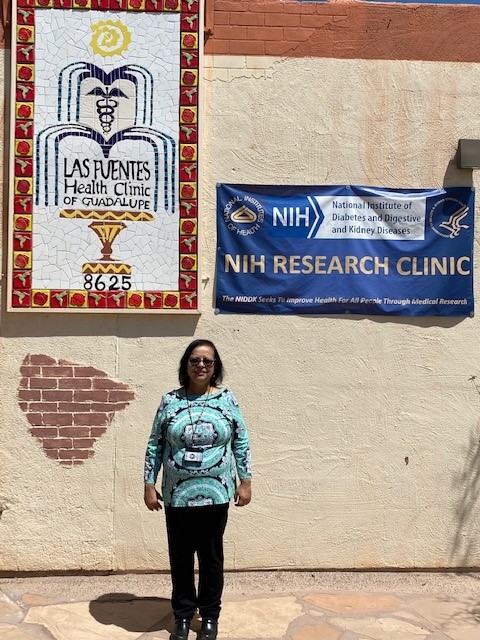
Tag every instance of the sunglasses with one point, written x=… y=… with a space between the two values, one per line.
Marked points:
x=207 y=362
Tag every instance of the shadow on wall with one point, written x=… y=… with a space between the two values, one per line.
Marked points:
x=17 y=325
x=455 y=177
x=132 y=613
x=466 y=482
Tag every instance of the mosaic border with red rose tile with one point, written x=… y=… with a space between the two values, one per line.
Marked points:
x=22 y=296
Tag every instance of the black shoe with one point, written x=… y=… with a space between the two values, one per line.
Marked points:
x=209 y=629
x=181 y=629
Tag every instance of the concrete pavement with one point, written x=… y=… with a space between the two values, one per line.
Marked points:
x=275 y=605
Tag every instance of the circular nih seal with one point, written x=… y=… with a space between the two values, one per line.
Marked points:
x=243 y=215
x=447 y=217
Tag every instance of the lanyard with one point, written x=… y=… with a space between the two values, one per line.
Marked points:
x=201 y=413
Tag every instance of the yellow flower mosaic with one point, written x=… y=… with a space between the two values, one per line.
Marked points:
x=110 y=38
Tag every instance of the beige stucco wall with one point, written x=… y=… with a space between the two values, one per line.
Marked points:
x=336 y=406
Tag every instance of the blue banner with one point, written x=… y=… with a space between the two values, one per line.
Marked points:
x=344 y=249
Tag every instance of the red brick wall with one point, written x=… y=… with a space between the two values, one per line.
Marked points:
x=335 y=29
x=68 y=405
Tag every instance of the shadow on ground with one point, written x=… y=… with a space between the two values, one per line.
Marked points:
x=131 y=612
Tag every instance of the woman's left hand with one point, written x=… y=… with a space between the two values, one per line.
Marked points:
x=152 y=498
x=243 y=494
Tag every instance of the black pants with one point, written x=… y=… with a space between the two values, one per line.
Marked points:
x=197 y=530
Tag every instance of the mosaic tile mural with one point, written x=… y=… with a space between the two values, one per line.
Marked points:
x=104 y=156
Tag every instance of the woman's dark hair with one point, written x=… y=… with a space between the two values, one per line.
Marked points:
x=217 y=376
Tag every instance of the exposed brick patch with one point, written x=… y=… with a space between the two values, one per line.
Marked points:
x=40 y=383
x=44 y=432
x=304 y=8
x=119 y=396
x=105 y=383
x=23 y=394
x=57 y=419
x=96 y=432
x=74 y=432
x=221 y=5
x=68 y=405
x=365 y=30
x=284 y=19
x=38 y=359
x=297 y=35
x=57 y=443
x=88 y=372
x=40 y=406
x=93 y=396
x=265 y=33
x=231 y=33
x=247 y=48
x=75 y=383
x=215 y=45
x=30 y=371
x=60 y=396
x=267 y=6
x=92 y=419
x=246 y=18
x=277 y=48
x=69 y=454
x=57 y=372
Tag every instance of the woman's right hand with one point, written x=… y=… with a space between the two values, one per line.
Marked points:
x=152 y=498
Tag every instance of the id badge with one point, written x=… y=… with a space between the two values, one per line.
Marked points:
x=193 y=455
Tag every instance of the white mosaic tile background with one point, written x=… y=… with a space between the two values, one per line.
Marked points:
x=62 y=246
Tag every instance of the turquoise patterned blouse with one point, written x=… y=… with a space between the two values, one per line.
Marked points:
x=202 y=444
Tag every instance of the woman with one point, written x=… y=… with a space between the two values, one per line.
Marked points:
x=200 y=438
